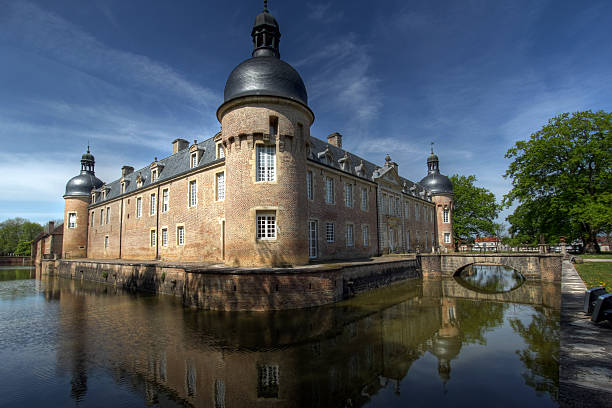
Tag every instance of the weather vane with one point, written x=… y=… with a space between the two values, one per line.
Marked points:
x=265 y=5
x=432 y=143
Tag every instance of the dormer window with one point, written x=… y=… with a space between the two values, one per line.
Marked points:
x=104 y=194
x=194 y=160
x=139 y=181
x=123 y=187
x=93 y=198
x=154 y=175
x=220 y=151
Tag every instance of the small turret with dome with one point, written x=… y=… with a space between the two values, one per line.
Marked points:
x=76 y=200
x=441 y=189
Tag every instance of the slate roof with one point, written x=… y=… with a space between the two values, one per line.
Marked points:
x=173 y=166
x=371 y=170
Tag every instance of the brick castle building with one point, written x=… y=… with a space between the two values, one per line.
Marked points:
x=262 y=192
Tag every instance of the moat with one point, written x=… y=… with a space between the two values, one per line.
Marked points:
x=418 y=343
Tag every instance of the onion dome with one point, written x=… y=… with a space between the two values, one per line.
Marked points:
x=265 y=74
x=81 y=185
x=434 y=181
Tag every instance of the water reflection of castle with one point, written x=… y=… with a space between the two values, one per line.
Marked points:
x=328 y=356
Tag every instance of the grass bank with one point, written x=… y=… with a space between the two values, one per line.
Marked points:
x=603 y=255
x=596 y=274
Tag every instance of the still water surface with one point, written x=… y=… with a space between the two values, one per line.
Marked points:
x=419 y=343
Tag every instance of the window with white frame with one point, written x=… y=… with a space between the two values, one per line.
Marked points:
x=390 y=209
x=72 y=220
x=266 y=163
x=330 y=233
x=309 y=192
x=93 y=198
x=194 y=159
x=447 y=237
x=153 y=238
x=153 y=204
x=220 y=186
x=138 y=207
x=193 y=193
x=366 y=235
x=266 y=225
x=164 y=237
x=106 y=241
x=329 y=190
x=220 y=151
x=108 y=215
x=102 y=216
x=364 y=199
x=348 y=195
x=313 y=238
x=153 y=176
x=180 y=235
x=165 y=200
x=445 y=216
x=350 y=237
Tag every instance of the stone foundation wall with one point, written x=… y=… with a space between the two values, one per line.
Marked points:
x=240 y=289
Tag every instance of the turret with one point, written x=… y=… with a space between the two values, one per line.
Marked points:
x=265 y=122
x=441 y=189
x=76 y=200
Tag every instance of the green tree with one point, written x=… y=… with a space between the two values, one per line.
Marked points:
x=24 y=248
x=474 y=209
x=15 y=230
x=562 y=180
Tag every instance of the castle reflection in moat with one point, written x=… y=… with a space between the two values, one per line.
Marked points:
x=336 y=356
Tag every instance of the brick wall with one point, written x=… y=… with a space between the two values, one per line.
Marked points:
x=75 y=239
x=442 y=202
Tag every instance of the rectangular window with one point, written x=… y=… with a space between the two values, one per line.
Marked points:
x=390 y=209
x=108 y=215
x=220 y=186
x=92 y=218
x=447 y=238
x=416 y=211
x=407 y=210
x=138 y=207
x=397 y=207
x=384 y=203
x=153 y=238
x=153 y=176
x=180 y=235
x=329 y=190
x=267 y=381
x=194 y=160
x=366 y=235
x=165 y=200
x=122 y=188
x=350 y=239
x=72 y=220
x=313 y=227
x=348 y=195
x=266 y=163
x=164 y=237
x=445 y=216
x=273 y=127
x=102 y=216
x=364 y=199
x=330 y=233
x=106 y=241
x=266 y=225
x=193 y=193
x=153 y=204
x=309 y=192
x=220 y=151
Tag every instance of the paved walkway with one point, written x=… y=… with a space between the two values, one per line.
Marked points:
x=585 y=372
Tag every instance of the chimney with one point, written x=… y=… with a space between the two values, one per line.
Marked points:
x=125 y=170
x=178 y=145
x=335 y=139
x=49 y=227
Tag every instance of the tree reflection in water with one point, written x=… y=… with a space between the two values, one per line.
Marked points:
x=490 y=278
x=541 y=356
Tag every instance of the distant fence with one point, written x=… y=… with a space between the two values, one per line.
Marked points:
x=15 y=260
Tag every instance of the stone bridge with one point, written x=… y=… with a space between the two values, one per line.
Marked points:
x=546 y=267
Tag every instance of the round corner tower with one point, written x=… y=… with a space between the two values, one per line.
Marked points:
x=442 y=195
x=76 y=200
x=265 y=122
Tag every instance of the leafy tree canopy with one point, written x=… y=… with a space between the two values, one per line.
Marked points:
x=474 y=209
x=17 y=230
x=562 y=180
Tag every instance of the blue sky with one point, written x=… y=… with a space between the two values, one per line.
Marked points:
x=391 y=76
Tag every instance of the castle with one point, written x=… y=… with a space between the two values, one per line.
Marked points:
x=261 y=192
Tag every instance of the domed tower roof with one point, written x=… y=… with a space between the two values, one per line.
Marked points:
x=434 y=181
x=81 y=185
x=265 y=73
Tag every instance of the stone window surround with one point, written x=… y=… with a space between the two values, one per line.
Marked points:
x=192 y=193
x=350 y=243
x=365 y=233
x=216 y=186
x=330 y=232
x=72 y=213
x=273 y=165
x=164 y=237
x=165 y=204
x=152 y=204
x=138 y=206
x=267 y=216
x=153 y=237
x=178 y=235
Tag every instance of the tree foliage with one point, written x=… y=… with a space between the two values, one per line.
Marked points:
x=474 y=209
x=16 y=234
x=562 y=180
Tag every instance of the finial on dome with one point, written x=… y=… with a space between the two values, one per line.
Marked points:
x=432 y=143
x=266 y=6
